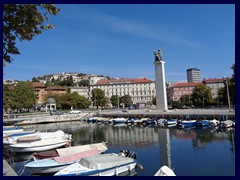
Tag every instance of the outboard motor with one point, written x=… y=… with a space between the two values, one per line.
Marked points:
x=129 y=154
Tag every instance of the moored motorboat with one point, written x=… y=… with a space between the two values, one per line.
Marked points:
x=101 y=165
x=165 y=171
x=226 y=123
x=170 y=122
x=202 y=123
x=41 y=145
x=8 y=130
x=34 y=137
x=119 y=120
x=51 y=165
x=186 y=123
x=69 y=150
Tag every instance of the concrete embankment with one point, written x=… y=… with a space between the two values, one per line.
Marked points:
x=46 y=119
x=7 y=169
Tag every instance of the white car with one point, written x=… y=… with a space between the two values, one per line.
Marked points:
x=75 y=111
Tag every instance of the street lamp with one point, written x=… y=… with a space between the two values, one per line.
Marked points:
x=229 y=106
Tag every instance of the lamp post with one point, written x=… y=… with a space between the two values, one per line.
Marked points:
x=229 y=106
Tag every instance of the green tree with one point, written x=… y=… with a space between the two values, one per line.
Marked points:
x=24 y=95
x=202 y=96
x=126 y=100
x=186 y=100
x=8 y=101
x=84 y=82
x=23 y=22
x=115 y=100
x=83 y=102
x=97 y=97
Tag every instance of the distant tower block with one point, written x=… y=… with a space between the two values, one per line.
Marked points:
x=160 y=85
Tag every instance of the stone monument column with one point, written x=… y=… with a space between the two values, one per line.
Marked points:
x=160 y=85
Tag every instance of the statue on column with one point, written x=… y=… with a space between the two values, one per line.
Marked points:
x=158 y=55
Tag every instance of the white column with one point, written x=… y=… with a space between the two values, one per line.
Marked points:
x=160 y=86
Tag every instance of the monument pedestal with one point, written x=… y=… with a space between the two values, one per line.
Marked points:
x=160 y=84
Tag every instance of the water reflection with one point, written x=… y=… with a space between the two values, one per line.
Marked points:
x=155 y=146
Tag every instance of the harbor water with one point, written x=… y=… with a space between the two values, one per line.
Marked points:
x=189 y=152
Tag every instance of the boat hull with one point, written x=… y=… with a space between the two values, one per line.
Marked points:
x=36 y=148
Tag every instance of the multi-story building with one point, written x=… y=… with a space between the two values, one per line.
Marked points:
x=55 y=90
x=175 y=91
x=39 y=92
x=142 y=90
x=193 y=75
x=215 y=84
x=82 y=91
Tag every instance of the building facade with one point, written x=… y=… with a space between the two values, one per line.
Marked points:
x=175 y=91
x=82 y=91
x=215 y=84
x=41 y=91
x=142 y=90
x=193 y=75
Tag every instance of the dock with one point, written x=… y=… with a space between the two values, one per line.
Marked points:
x=7 y=169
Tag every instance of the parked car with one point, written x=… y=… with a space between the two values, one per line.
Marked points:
x=75 y=111
x=56 y=112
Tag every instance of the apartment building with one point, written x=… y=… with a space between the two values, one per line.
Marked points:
x=215 y=84
x=176 y=90
x=193 y=75
x=82 y=91
x=142 y=90
x=41 y=91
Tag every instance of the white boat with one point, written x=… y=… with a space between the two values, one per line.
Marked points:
x=8 y=130
x=101 y=147
x=226 y=123
x=34 y=137
x=119 y=120
x=165 y=171
x=101 y=165
x=51 y=165
x=214 y=123
x=41 y=145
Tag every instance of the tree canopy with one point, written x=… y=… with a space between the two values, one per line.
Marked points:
x=18 y=97
x=23 y=22
x=202 y=96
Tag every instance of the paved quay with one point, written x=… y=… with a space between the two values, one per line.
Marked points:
x=174 y=112
x=7 y=169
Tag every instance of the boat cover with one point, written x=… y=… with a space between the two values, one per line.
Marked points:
x=43 y=142
x=76 y=149
x=28 y=139
x=77 y=156
x=105 y=161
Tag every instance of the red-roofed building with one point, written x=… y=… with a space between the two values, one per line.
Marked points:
x=215 y=84
x=175 y=91
x=41 y=91
x=142 y=90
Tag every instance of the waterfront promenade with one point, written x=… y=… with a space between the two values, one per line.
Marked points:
x=220 y=114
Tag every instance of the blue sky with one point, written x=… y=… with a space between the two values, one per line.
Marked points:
x=118 y=41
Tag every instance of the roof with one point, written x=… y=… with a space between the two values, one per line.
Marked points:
x=213 y=80
x=124 y=81
x=187 y=84
x=38 y=85
x=52 y=88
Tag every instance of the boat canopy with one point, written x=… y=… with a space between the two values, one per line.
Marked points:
x=76 y=149
x=105 y=161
